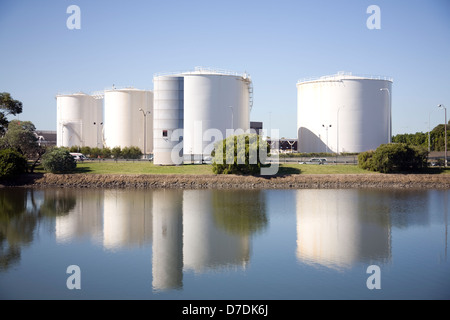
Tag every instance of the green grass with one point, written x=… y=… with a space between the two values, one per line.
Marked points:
x=324 y=169
x=130 y=167
x=137 y=167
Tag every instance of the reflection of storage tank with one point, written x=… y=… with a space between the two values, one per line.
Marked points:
x=167 y=252
x=128 y=116
x=333 y=230
x=205 y=104
x=343 y=113
x=79 y=120
x=205 y=244
x=127 y=219
x=84 y=220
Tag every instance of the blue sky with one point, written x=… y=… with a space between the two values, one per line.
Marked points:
x=277 y=42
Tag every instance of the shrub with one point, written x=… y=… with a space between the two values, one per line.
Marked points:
x=116 y=152
x=131 y=153
x=12 y=163
x=243 y=156
x=58 y=160
x=394 y=157
x=365 y=159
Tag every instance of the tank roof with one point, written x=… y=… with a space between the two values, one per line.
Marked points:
x=204 y=71
x=344 y=76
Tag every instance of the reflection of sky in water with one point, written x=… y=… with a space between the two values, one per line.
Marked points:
x=258 y=240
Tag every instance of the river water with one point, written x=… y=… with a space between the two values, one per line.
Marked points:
x=224 y=244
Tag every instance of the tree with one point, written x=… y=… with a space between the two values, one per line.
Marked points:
x=394 y=157
x=239 y=154
x=116 y=152
x=21 y=136
x=58 y=160
x=9 y=106
x=12 y=163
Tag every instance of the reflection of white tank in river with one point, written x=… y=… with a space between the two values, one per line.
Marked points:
x=200 y=102
x=343 y=113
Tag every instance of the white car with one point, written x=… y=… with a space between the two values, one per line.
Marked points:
x=78 y=156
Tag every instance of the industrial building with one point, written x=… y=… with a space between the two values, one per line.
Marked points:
x=195 y=109
x=343 y=113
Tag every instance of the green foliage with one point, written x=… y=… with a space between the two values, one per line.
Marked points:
x=9 y=106
x=116 y=152
x=12 y=163
x=107 y=153
x=239 y=155
x=365 y=160
x=131 y=153
x=420 y=139
x=21 y=136
x=58 y=160
x=394 y=157
x=86 y=151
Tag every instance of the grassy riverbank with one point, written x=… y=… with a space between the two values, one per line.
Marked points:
x=139 y=167
x=297 y=176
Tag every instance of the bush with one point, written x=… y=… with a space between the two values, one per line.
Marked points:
x=365 y=160
x=244 y=158
x=131 y=153
x=394 y=157
x=12 y=163
x=58 y=160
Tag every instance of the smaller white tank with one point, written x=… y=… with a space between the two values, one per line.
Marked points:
x=79 y=120
x=168 y=119
x=129 y=119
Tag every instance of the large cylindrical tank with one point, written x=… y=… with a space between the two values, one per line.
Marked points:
x=129 y=119
x=343 y=113
x=79 y=120
x=214 y=102
x=194 y=110
x=168 y=118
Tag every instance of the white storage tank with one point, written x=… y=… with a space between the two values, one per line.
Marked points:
x=168 y=118
x=204 y=103
x=79 y=120
x=344 y=113
x=213 y=100
x=128 y=119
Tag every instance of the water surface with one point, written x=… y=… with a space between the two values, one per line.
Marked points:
x=224 y=244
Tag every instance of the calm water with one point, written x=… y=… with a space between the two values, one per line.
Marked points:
x=211 y=244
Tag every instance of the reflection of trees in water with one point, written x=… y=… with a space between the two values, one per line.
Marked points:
x=16 y=225
x=19 y=214
x=240 y=212
x=57 y=203
x=394 y=207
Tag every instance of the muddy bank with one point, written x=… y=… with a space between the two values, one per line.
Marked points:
x=301 y=181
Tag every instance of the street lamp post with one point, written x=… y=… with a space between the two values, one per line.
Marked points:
x=145 y=131
x=445 y=132
x=232 y=117
x=389 y=113
x=326 y=127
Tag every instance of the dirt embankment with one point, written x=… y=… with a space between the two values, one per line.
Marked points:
x=301 y=181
